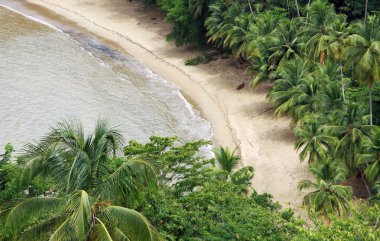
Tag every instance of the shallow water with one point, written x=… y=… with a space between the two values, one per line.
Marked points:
x=47 y=75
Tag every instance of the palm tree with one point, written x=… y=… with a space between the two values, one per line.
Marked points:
x=265 y=25
x=87 y=188
x=351 y=129
x=214 y=24
x=321 y=15
x=259 y=58
x=298 y=9
x=287 y=87
x=370 y=157
x=337 y=43
x=309 y=100
x=241 y=35
x=77 y=216
x=328 y=196
x=226 y=159
x=330 y=92
x=285 y=44
x=221 y=21
x=363 y=53
x=316 y=144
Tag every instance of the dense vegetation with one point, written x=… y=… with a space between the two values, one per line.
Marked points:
x=324 y=67
x=325 y=70
x=71 y=187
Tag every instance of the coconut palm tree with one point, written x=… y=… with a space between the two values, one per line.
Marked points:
x=363 y=53
x=241 y=35
x=226 y=159
x=330 y=93
x=221 y=21
x=87 y=188
x=286 y=90
x=370 y=157
x=265 y=25
x=351 y=129
x=77 y=216
x=309 y=99
x=260 y=64
x=328 y=196
x=338 y=35
x=285 y=44
x=321 y=15
x=214 y=24
x=316 y=143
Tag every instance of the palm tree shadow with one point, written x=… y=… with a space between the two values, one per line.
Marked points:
x=282 y=134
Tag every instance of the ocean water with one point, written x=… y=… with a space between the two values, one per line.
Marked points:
x=47 y=75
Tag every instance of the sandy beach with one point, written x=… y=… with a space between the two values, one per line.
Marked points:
x=242 y=118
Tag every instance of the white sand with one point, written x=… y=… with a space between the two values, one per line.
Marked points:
x=243 y=118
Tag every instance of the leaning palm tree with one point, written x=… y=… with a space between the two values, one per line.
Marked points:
x=87 y=189
x=328 y=196
x=315 y=143
x=363 y=53
x=226 y=159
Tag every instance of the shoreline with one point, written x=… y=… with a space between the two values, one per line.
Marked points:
x=238 y=118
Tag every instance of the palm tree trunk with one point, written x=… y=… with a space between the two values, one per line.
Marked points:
x=322 y=57
x=307 y=14
x=298 y=9
x=341 y=79
x=366 y=10
x=250 y=7
x=287 y=5
x=370 y=104
x=365 y=183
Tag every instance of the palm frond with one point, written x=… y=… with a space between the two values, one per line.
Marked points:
x=100 y=232
x=33 y=208
x=129 y=222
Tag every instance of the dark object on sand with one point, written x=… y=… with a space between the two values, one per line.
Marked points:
x=241 y=86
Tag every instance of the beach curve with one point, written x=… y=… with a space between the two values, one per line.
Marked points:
x=239 y=118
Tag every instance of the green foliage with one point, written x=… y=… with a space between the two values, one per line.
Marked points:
x=200 y=59
x=361 y=225
x=188 y=17
x=226 y=159
x=370 y=159
x=360 y=95
x=86 y=189
x=9 y=173
x=328 y=196
x=355 y=8
x=315 y=143
x=196 y=202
